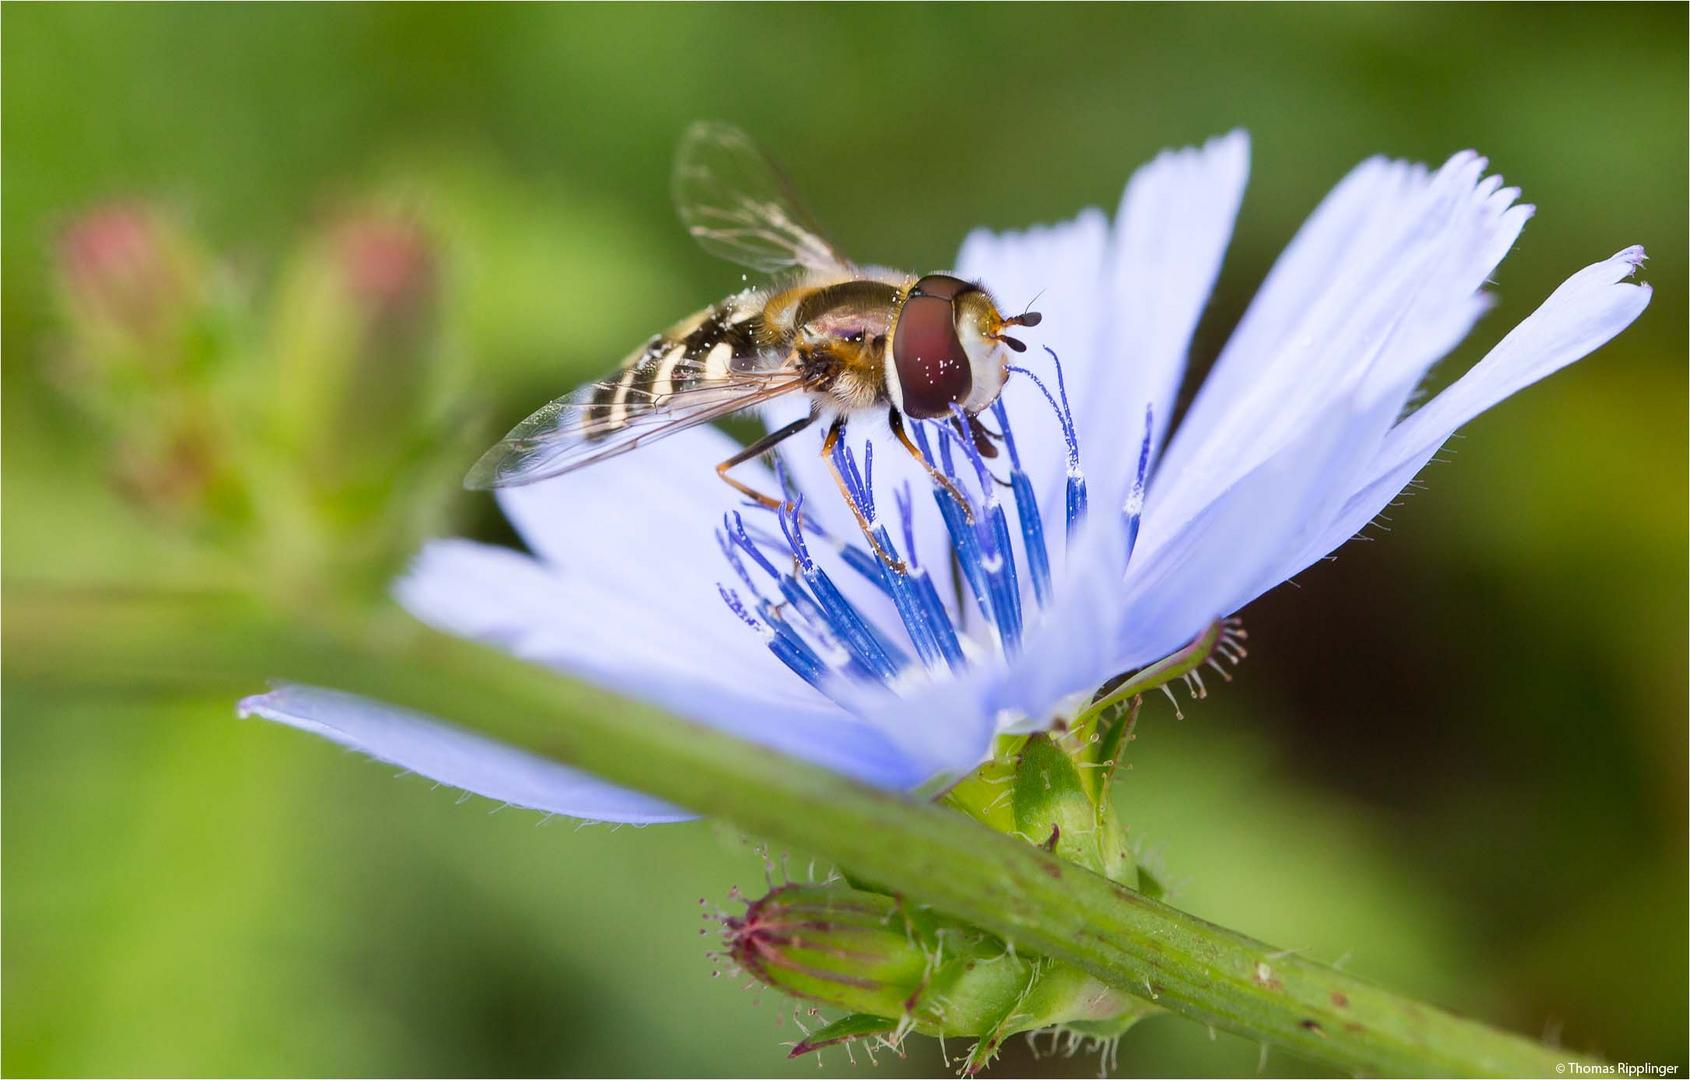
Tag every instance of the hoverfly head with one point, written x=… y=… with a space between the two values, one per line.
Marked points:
x=948 y=348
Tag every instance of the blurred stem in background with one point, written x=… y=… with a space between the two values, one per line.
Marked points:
x=300 y=445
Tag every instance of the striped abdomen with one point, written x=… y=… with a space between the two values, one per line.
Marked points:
x=708 y=348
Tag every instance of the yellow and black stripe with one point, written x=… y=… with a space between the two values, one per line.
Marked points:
x=707 y=349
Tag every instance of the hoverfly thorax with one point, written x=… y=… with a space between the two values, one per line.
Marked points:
x=948 y=348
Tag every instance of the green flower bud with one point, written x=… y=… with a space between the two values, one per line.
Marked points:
x=147 y=354
x=895 y=969
x=355 y=343
x=360 y=424
x=318 y=444
x=128 y=279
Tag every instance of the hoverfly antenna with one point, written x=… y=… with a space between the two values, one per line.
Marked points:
x=1026 y=318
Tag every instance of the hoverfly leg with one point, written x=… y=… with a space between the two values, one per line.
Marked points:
x=834 y=434
x=895 y=421
x=983 y=436
x=758 y=449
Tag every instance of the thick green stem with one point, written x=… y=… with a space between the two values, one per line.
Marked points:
x=928 y=853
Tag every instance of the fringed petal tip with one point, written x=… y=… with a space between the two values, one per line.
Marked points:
x=455 y=757
x=1633 y=257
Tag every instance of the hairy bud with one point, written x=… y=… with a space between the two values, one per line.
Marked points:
x=895 y=969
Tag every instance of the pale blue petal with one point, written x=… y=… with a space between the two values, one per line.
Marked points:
x=942 y=727
x=1119 y=303
x=1234 y=547
x=642 y=524
x=455 y=757
x=1587 y=311
x=1171 y=233
x=1071 y=647
x=1377 y=286
x=1062 y=271
x=721 y=675
x=570 y=618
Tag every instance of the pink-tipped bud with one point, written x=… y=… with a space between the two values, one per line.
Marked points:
x=894 y=968
x=124 y=266
x=387 y=265
x=355 y=340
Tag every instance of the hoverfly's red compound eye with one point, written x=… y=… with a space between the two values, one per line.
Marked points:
x=933 y=368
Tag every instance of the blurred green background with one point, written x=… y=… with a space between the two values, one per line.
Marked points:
x=1455 y=759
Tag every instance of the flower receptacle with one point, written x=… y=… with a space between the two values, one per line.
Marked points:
x=1053 y=789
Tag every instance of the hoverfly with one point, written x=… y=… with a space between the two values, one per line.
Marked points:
x=853 y=339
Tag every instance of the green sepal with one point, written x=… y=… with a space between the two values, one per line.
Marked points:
x=843 y=1030
x=1054 y=790
x=1052 y=806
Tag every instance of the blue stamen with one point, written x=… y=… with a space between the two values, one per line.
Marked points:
x=997 y=558
x=927 y=634
x=856 y=489
x=815 y=619
x=946 y=465
x=797 y=656
x=737 y=606
x=789 y=493
x=1076 y=488
x=730 y=553
x=933 y=614
x=1134 y=507
x=1008 y=436
x=964 y=543
x=1026 y=512
x=737 y=534
x=787 y=646
x=736 y=537
x=794 y=533
x=1076 y=479
x=866 y=643
x=868 y=479
x=905 y=498
x=833 y=651
x=815 y=629
x=970 y=451
x=865 y=563
x=783 y=479
x=924 y=633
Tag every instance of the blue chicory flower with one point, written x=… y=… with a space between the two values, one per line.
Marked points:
x=1096 y=544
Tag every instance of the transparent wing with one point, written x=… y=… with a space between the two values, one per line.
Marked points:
x=611 y=417
x=739 y=205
